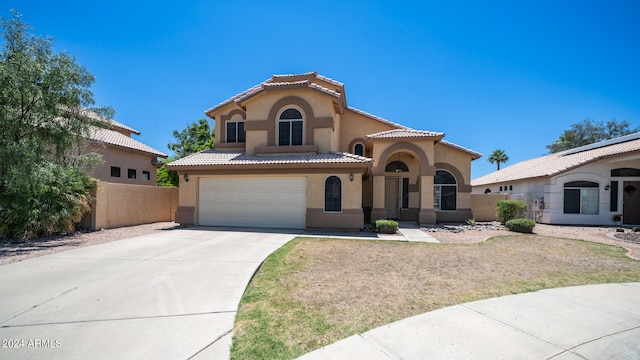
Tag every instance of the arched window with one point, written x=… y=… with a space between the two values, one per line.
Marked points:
x=358 y=149
x=445 y=191
x=581 y=197
x=333 y=194
x=396 y=166
x=290 y=128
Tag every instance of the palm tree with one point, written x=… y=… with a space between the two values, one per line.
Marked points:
x=498 y=156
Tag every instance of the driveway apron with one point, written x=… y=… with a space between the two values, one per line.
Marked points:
x=168 y=295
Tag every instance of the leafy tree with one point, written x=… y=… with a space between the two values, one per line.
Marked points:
x=44 y=97
x=498 y=156
x=589 y=132
x=196 y=137
x=166 y=177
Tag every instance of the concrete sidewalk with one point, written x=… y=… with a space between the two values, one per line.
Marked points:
x=585 y=322
x=407 y=231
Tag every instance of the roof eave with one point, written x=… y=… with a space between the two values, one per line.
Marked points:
x=271 y=166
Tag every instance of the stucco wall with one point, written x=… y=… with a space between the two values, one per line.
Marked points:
x=354 y=126
x=483 y=206
x=119 y=205
x=124 y=159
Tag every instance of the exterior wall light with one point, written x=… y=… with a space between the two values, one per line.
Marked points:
x=607 y=187
x=186 y=178
x=351 y=177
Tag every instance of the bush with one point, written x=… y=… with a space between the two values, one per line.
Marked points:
x=49 y=203
x=510 y=209
x=521 y=225
x=386 y=226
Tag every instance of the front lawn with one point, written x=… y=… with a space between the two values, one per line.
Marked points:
x=313 y=292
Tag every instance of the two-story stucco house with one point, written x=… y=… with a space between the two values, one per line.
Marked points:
x=125 y=159
x=291 y=153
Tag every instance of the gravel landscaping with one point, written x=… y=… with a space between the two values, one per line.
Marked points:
x=11 y=252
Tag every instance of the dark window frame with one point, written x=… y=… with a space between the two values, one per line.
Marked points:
x=132 y=174
x=291 y=128
x=361 y=148
x=573 y=195
x=235 y=132
x=445 y=190
x=333 y=194
x=115 y=171
x=146 y=175
x=405 y=193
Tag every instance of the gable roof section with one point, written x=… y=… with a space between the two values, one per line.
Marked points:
x=555 y=164
x=114 y=138
x=405 y=133
x=310 y=80
x=216 y=158
x=123 y=127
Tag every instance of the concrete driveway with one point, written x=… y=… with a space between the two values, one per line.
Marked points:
x=172 y=295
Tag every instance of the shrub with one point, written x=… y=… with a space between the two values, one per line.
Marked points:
x=521 y=225
x=386 y=226
x=50 y=203
x=510 y=209
x=471 y=222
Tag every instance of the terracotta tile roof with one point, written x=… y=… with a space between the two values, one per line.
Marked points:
x=404 y=133
x=217 y=157
x=475 y=154
x=113 y=123
x=114 y=138
x=554 y=164
x=284 y=80
x=124 y=127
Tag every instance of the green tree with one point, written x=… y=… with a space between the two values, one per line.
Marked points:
x=498 y=156
x=196 y=137
x=44 y=97
x=588 y=132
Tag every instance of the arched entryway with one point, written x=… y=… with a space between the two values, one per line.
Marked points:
x=402 y=171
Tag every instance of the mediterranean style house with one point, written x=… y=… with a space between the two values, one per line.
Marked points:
x=125 y=160
x=597 y=184
x=290 y=153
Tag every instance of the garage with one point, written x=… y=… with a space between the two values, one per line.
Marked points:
x=253 y=202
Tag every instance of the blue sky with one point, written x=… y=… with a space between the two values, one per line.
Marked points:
x=510 y=75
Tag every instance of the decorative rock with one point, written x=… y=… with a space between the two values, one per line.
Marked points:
x=636 y=229
x=619 y=230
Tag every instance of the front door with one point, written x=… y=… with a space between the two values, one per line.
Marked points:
x=392 y=197
x=631 y=202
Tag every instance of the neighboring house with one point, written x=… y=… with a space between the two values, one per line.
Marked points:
x=587 y=185
x=291 y=153
x=125 y=160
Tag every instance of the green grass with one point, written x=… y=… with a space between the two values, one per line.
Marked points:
x=313 y=292
x=271 y=324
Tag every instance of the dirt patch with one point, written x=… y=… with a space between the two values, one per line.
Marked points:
x=12 y=252
x=367 y=284
x=603 y=235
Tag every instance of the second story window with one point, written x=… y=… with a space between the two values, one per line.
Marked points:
x=235 y=132
x=290 y=126
x=358 y=149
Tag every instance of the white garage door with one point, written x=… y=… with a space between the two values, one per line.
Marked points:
x=271 y=202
